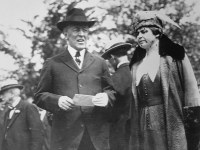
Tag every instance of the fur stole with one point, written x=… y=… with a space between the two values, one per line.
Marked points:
x=166 y=48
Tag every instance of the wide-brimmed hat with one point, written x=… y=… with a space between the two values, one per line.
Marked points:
x=120 y=47
x=75 y=16
x=151 y=19
x=9 y=84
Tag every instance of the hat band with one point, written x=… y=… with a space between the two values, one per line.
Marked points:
x=10 y=86
x=148 y=23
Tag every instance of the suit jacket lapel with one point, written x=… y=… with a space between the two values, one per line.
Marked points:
x=88 y=60
x=67 y=59
x=16 y=113
x=6 y=118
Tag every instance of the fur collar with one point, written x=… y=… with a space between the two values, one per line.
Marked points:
x=166 y=48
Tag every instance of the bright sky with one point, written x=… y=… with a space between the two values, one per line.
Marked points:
x=11 y=14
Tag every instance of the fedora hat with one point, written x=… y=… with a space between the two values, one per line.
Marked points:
x=117 y=48
x=10 y=84
x=75 y=16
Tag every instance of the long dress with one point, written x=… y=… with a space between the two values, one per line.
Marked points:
x=151 y=114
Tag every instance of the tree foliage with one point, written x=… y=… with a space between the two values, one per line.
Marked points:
x=114 y=19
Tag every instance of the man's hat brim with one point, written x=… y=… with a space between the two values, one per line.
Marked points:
x=116 y=47
x=63 y=24
x=11 y=86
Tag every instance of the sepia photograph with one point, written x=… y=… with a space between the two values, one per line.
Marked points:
x=99 y=75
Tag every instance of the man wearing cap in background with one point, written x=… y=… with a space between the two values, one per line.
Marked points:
x=117 y=56
x=76 y=71
x=22 y=129
x=2 y=113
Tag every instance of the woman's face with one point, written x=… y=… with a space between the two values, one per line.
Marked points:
x=145 y=38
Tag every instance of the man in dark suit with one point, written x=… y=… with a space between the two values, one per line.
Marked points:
x=22 y=129
x=76 y=71
x=2 y=112
x=117 y=56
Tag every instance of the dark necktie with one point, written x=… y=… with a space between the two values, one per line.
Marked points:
x=77 y=57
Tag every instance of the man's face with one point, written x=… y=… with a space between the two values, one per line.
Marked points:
x=9 y=95
x=113 y=61
x=77 y=36
x=6 y=96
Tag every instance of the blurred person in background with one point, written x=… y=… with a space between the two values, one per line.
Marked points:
x=2 y=113
x=163 y=86
x=46 y=125
x=76 y=71
x=22 y=128
x=119 y=132
x=47 y=128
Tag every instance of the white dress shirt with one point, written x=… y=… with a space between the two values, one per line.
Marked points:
x=72 y=52
x=121 y=63
x=149 y=65
x=42 y=113
x=14 y=104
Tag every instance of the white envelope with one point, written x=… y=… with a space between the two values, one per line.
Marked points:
x=83 y=100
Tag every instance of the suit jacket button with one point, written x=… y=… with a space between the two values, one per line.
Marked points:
x=80 y=86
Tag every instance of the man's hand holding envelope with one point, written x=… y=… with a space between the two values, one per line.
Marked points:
x=100 y=99
x=65 y=103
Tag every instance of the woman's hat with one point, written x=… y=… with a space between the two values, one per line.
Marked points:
x=9 y=84
x=117 y=48
x=75 y=16
x=151 y=19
